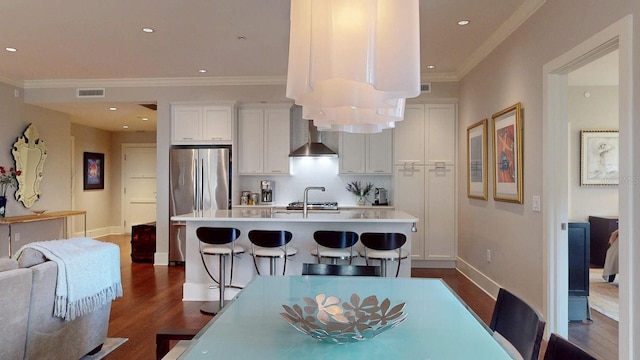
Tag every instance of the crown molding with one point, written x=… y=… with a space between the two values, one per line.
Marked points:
x=528 y=8
x=155 y=82
x=439 y=77
x=209 y=81
x=11 y=82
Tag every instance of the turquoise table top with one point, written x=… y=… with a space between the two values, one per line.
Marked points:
x=438 y=324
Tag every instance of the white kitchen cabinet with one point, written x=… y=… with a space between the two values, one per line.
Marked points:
x=425 y=179
x=201 y=124
x=409 y=197
x=440 y=214
x=426 y=135
x=366 y=153
x=351 y=156
x=263 y=140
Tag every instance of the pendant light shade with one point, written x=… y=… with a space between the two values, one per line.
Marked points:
x=352 y=63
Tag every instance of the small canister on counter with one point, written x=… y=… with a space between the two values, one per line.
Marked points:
x=244 y=197
x=254 y=199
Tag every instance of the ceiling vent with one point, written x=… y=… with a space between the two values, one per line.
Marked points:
x=425 y=88
x=90 y=93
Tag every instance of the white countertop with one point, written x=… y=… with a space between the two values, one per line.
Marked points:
x=262 y=214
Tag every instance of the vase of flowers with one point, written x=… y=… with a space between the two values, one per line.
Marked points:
x=360 y=191
x=8 y=178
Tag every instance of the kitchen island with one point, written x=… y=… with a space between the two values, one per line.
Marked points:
x=197 y=282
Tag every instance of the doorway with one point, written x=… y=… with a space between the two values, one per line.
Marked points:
x=556 y=194
x=138 y=185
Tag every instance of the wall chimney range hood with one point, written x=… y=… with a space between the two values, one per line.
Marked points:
x=314 y=146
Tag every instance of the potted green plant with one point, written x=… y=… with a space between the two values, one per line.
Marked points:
x=360 y=191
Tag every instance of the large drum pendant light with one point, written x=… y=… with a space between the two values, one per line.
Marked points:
x=352 y=63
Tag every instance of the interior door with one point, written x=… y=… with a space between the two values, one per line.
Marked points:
x=139 y=185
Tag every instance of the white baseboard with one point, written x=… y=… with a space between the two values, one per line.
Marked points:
x=433 y=264
x=478 y=278
x=96 y=233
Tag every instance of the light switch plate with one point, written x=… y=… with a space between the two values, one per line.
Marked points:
x=536 y=203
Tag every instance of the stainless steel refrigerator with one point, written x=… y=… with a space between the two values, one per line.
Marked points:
x=200 y=179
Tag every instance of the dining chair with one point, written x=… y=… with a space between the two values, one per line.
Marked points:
x=335 y=245
x=220 y=242
x=384 y=247
x=518 y=323
x=272 y=244
x=559 y=348
x=340 y=270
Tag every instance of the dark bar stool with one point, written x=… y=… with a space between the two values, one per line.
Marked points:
x=272 y=244
x=335 y=245
x=218 y=242
x=383 y=247
x=340 y=270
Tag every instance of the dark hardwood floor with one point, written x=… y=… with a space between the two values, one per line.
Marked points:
x=153 y=300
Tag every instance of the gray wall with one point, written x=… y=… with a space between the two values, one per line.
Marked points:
x=597 y=112
x=513 y=73
x=56 y=130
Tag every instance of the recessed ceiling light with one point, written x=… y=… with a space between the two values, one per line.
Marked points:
x=11 y=49
x=202 y=71
x=148 y=29
x=145 y=118
x=431 y=66
x=125 y=126
x=463 y=22
x=113 y=108
x=241 y=38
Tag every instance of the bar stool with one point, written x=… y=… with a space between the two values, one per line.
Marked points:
x=335 y=245
x=218 y=242
x=271 y=244
x=383 y=247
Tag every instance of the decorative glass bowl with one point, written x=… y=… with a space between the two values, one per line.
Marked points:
x=326 y=319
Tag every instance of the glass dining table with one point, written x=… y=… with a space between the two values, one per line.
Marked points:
x=438 y=324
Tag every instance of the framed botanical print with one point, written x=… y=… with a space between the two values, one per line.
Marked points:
x=507 y=155
x=599 y=157
x=93 y=170
x=477 y=187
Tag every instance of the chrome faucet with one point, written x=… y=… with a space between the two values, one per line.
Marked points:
x=305 y=209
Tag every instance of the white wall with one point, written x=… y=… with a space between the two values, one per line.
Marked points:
x=599 y=111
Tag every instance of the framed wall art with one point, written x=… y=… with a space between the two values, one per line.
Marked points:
x=477 y=187
x=599 y=153
x=507 y=155
x=93 y=170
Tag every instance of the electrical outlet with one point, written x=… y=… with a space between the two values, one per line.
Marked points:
x=488 y=255
x=16 y=238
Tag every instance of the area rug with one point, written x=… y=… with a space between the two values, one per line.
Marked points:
x=603 y=296
x=109 y=345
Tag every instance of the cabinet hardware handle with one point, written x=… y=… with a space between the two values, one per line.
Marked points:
x=409 y=164
x=440 y=165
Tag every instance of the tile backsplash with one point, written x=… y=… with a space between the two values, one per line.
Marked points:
x=313 y=172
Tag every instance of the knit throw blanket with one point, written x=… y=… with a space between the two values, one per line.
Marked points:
x=88 y=274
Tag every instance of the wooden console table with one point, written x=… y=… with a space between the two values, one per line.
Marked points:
x=11 y=220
